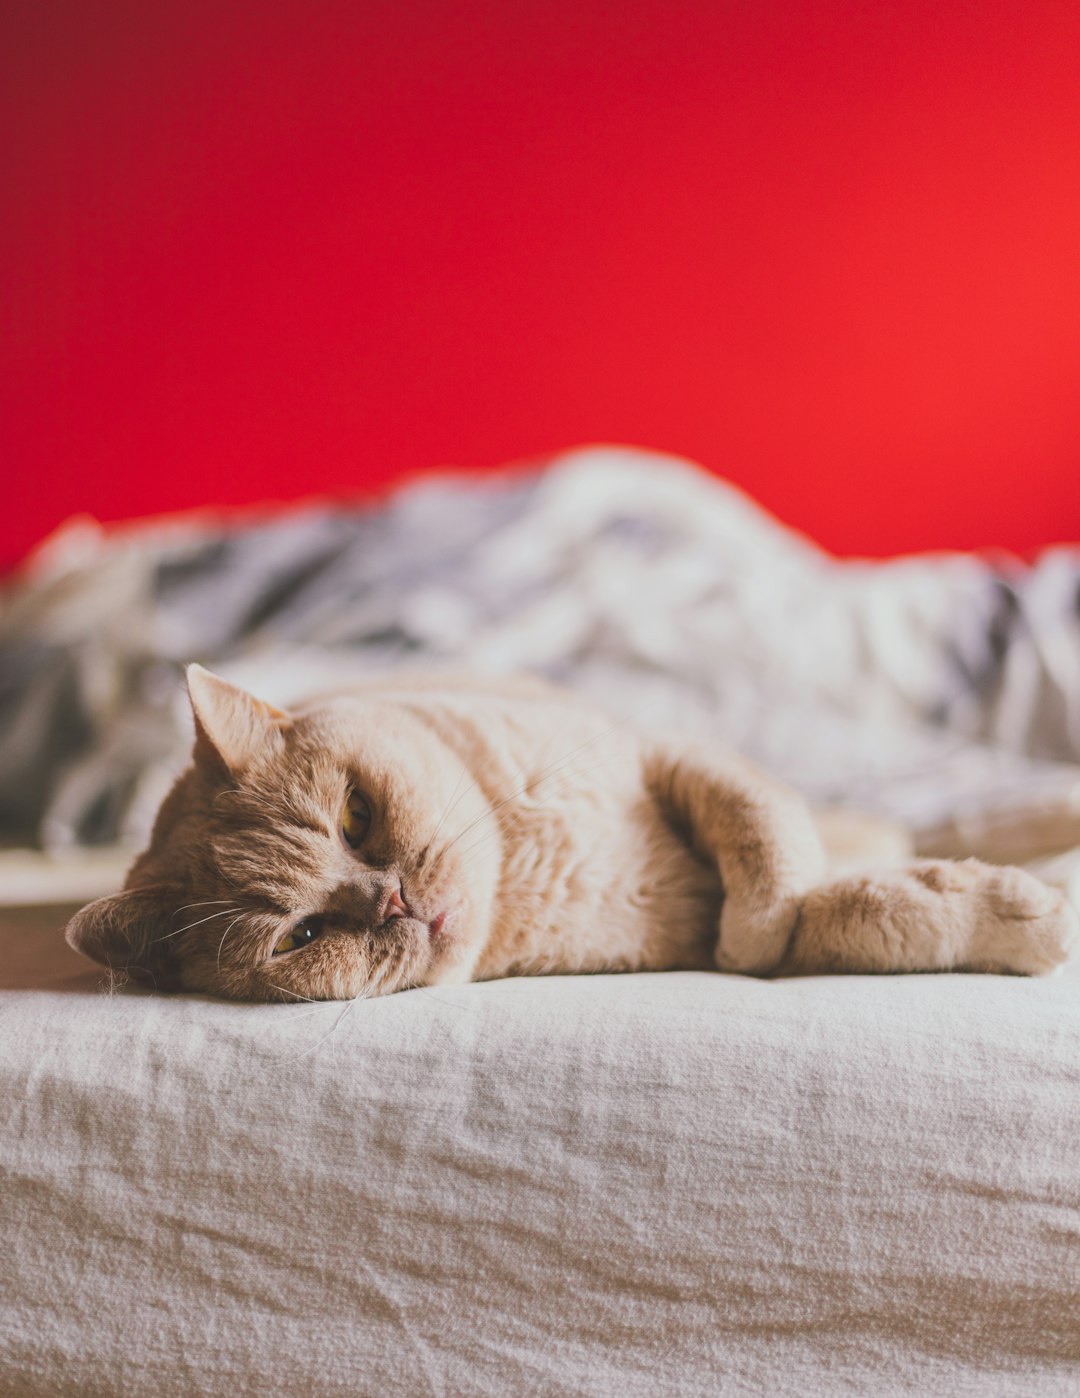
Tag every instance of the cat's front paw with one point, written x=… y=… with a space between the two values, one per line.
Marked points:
x=754 y=936
x=1023 y=925
x=936 y=916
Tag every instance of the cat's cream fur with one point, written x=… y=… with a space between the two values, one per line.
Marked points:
x=515 y=830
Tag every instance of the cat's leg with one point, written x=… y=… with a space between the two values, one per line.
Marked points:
x=935 y=916
x=760 y=834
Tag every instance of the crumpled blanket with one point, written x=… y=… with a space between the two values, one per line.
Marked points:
x=940 y=690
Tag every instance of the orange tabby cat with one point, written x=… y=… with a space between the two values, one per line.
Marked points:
x=428 y=833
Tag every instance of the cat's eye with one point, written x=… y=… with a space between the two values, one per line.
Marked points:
x=302 y=935
x=355 y=819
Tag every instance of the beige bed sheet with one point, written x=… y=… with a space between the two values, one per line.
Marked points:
x=682 y=1184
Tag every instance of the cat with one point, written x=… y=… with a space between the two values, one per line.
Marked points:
x=432 y=832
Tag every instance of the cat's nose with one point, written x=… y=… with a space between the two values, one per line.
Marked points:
x=367 y=901
x=393 y=904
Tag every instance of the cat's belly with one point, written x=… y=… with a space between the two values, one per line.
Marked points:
x=584 y=890
x=591 y=876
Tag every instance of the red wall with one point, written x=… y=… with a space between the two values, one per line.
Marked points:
x=262 y=250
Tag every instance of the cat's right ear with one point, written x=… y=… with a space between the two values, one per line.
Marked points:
x=130 y=932
x=232 y=727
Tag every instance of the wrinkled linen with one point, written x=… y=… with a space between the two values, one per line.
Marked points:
x=940 y=690
x=680 y=1184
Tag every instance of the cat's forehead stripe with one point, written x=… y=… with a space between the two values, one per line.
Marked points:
x=273 y=862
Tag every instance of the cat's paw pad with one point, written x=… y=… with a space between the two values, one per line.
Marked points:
x=1024 y=925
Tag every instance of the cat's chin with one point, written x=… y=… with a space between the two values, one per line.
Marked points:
x=452 y=954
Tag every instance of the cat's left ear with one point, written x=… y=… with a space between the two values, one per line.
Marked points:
x=232 y=727
x=131 y=932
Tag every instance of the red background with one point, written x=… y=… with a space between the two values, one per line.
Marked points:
x=257 y=251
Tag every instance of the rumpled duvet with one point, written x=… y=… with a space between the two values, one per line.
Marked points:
x=940 y=690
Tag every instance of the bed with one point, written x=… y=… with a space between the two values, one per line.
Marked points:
x=679 y=1183
x=597 y=1185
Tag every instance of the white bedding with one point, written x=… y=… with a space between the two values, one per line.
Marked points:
x=652 y=1184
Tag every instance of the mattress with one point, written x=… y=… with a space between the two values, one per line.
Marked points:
x=595 y=1185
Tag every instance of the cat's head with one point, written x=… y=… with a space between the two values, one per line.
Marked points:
x=322 y=854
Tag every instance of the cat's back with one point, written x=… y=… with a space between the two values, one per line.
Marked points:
x=553 y=741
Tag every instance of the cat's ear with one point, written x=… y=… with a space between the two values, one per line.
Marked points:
x=130 y=932
x=232 y=727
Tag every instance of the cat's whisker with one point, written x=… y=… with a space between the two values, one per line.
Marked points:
x=536 y=780
x=284 y=989
x=365 y=994
x=347 y=1010
x=317 y=1006
x=306 y=1014
x=450 y=805
x=430 y=989
x=504 y=825
x=541 y=786
x=141 y=891
x=223 y=913
x=256 y=803
x=224 y=935
x=207 y=903
x=296 y=1013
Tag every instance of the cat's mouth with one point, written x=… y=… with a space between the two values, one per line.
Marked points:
x=445 y=941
